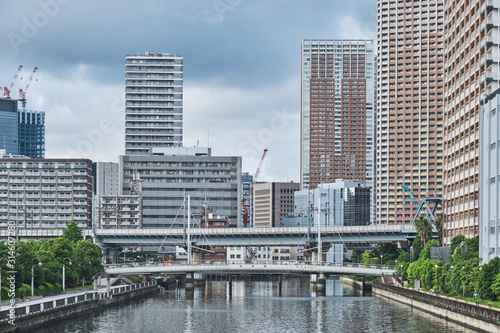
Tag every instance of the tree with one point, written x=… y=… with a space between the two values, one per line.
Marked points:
x=438 y=223
x=52 y=254
x=424 y=229
x=417 y=248
x=455 y=242
x=88 y=259
x=72 y=232
x=487 y=276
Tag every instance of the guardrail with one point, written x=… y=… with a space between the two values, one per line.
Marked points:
x=27 y=309
x=253 y=262
x=475 y=310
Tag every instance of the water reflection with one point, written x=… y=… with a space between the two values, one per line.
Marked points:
x=255 y=306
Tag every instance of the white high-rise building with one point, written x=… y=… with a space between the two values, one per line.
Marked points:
x=153 y=102
x=489 y=185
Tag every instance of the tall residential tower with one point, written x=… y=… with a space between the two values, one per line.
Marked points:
x=153 y=102
x=410 y=105
x=337 y=111
x=472 y=73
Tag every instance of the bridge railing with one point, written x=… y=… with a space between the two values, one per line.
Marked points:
x=251 y=262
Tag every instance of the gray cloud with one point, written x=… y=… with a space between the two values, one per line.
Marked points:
x=242 y=64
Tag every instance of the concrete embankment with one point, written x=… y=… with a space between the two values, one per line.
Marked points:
x=32 y=315
x=356 y=284
x=471 y=315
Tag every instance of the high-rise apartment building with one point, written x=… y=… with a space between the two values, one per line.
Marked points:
x=153 y=102
x=472 y=73
x=337 y=111
x=106 y=178
x=9 y=119
x=31 y=133
x=410 y=105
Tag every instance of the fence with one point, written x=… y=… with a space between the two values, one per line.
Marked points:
x=26 y=310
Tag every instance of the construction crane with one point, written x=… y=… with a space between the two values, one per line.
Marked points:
x=6 y=90
x=244 y=206
x=429 y=210
x=22 y=93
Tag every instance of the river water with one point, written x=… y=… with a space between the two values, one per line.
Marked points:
x=256 y=306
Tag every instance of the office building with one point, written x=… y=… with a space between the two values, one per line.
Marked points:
x=106 y=178
x=472 y=73
x=272 y=202
x=168 y=175
x=9 y=119
x=45 y=193
x=337 y=112
x=153 y=101
x=31 y=133
x=489 y=174
x=410 y=106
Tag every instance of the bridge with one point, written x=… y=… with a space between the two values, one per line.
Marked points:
x=255 y=268
x=224 y=237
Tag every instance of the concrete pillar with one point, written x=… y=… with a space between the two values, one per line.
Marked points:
x=314 y=257
x=196 y=257
x=312 y=280
x=189 y=282
x=108 y=283
x=230 y=284
x=320 y=284
x=280 y=283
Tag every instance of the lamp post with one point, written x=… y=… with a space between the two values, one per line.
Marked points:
x=401 y=271
x=396 y=266
x=1 y=280
x=64 y=272
x=381 y=257
x=33 y=274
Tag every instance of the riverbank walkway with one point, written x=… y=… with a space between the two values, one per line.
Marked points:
x=43 y=303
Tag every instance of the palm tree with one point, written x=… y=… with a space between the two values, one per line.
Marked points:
x=424 y=229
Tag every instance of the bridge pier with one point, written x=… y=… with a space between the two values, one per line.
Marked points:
x=320 y=284
x=280 y=284
x=230 y=285
x=189 y=282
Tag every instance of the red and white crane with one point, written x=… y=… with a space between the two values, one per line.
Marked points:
x=22 y=93
x=244 y=206
x=6 y=90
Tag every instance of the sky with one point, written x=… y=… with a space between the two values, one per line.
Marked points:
x=241 y=69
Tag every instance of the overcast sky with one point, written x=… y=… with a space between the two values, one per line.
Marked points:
x=241 y=69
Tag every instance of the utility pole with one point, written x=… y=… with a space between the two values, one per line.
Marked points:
x=189 y=228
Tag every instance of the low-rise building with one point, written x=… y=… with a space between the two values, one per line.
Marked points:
x=120 y=211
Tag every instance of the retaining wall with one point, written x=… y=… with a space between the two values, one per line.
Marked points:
x=467 y=314
x=33 y=316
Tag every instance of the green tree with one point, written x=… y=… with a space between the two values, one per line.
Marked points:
x=424 y=229
x=438 y=223
x=88 y=259
x=456 y=242
x=472 y=244
x=72 y=232
x=487 y=276
x=52 y=254
x=495 y=287
x=417 y=248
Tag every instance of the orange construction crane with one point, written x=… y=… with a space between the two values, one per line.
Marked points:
x=22 y=93
x=6 y=90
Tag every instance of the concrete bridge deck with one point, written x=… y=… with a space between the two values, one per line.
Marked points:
x=255 y=268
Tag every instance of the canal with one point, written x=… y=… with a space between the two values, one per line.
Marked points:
x=256 y=306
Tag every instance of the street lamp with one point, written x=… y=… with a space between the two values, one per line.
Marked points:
x=33 y=275
x=1 y=280
x=64 y=272
x=401 y=271
x=381 y=257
